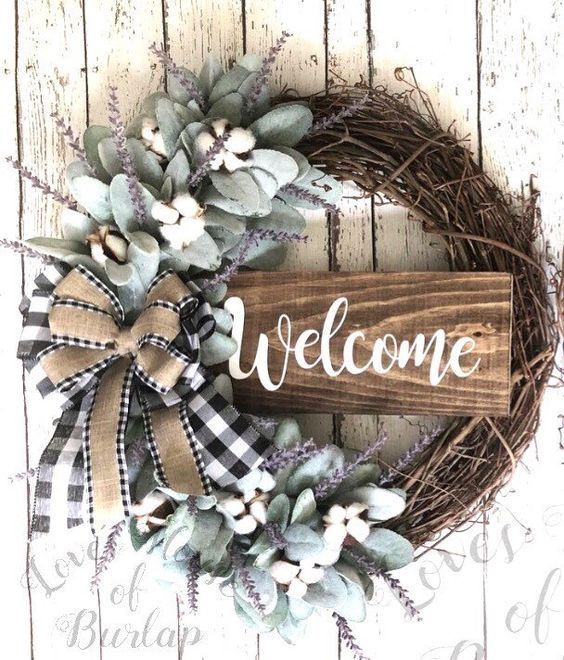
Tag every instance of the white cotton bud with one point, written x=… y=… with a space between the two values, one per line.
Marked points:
x=97 y=253
x=258 y=511
x=117 y=246
x=328 y=556
x=219 y=126
x=164 y=213
x=334 y=535
x=240 y=141
x=311 y=575
x=232 y=163
x=234 y=506
x=358 y=529
x=187 y=206
x=158 y=145
x=250 y=495
x=203 y=142
x=355 y=509
x=283 y=572
x=336 y=514
x=297 y=588
x=149 y=503
x=186 y=231
x=245 y=525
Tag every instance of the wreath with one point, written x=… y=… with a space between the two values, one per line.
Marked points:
x=126 y=319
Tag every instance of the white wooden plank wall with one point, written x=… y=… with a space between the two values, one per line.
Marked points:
x=495 y=66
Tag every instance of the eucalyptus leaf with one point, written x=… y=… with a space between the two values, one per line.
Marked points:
x=264 y=585
x=210 y=73
x=170 y=124
x=146 y=482
x=229 y=82
x=280 y=612
x=56 y=247
x=238 y=186
x=301 y=162
x=316 y=468
x=299 y=609
x=287 y=433
x=360 y=476
x=77 y=168
x=92 y=137
x=179 y=530
x=228 y=107
x=126 y=278
x=202 y=253
x=279 y=511
x=217 y=349
x=211 y=556
x=265 y=181
x=144 y=253
x=77 y=226
x=292 y=630
x=285 y=125
x=353 y=606
x=320 y=184
x=305 y=507
x=278 y=164
x=224 y=386
x=223 y=320
x=215 y=217
x=178 y=171
x=93 y=195
x=387 y=548
x=330 y=592
x=206 y=529
x=303 y=542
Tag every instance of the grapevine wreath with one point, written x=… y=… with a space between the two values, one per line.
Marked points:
x=126 y=318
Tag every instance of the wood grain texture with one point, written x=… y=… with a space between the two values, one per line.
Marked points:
x=403 y=305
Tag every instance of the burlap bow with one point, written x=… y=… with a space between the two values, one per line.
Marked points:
x=90 y=350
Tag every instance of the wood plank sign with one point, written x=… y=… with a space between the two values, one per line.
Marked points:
x=371 y=342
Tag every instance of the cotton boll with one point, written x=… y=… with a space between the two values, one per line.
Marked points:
x=164 y=213
x=358 y=529
x=328 y=556
x=335 y=515
x=234 y=506
x=283 y=572
x=232 y=163
x=149 y=503
x=311 y=575
x=240 y=141
x=355 y=509
x=183 y=233
x=245 y=525
x=187 y=206
x=219 y=126
x=97 y=253
x=258 y=511
x=117 y=246
x=334 y=535
x=297 y=588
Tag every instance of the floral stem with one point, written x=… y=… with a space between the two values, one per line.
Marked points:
x=311 y=198
x=108 y=554
x=347 y=637
x=45 y=188
x=205 y=166
x=21 y=248
x=73 y=141
x=264 y=73
x=174 y=70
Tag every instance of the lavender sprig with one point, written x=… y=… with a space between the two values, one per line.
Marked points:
x=45 y=188
x=323 y=123
x=251 y=238
x=399 y=591
x=21 y=248
x=118 y=133
x=24 y=476
x=108 y=554
x=192 y=583
x=72 y=139
x=311 y=198
x=275 y=534
x=408 y=458
x=174 y=70
x=297 y=454
x=247 y=581
x=331 y=483
x=205 y=166
x=264 y=73
x=347 y=637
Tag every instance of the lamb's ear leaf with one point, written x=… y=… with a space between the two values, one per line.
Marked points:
x=126 y=279
x=217 y=349
x=285 y=125
x=387 y=548
x=144 y=253
x=210 y=73
x=93 y=195
x=280 y=165
x=56 y=247
x=123 y=210
x=77 y=226
x=229 y=82
x=330 y=592
x=202 y=253
x=170 y=125
x=228 y=107
x=178 y=171
x=91 y=139
x=177 y=91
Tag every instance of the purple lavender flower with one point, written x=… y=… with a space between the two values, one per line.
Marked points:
x=275 y=534
x=311 y=198
x=204 y=167
x=72 y=139
x=330 y=483
x=247 y=581
x=264 y=73
x=323 y=123
x=408 y=458
x=108 y=554
x=21 y=248
x=250 y=238
x=192 y=583
x=174 y=70
x=347 y=637
x=45 y=188
x=120 y=141
x=297 y=454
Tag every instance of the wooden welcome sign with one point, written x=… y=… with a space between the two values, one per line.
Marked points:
x=371 y=342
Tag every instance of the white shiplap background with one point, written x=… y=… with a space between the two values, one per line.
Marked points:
x=494 y=590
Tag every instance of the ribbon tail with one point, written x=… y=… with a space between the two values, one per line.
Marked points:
x=60 y=479
x=104 y=447
x=174 y=449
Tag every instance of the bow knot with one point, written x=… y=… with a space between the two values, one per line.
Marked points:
x=126 y=343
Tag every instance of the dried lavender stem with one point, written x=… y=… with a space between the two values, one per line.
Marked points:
x=292 y=456
x=347 y=637
x=247 y=581
x=311 y=198
x=323 y=123
x=45 y=188
x=72 y=140
x=120 y=141
x=264 y=73
x=24 y=476
x=194 y=570
x=204 y=167
x=408 y=458
x=275 y=534
x=108 y=554
x=21 y=248
x=174 y=70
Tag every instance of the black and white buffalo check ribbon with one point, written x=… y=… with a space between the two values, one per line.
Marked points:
x=98 y=372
